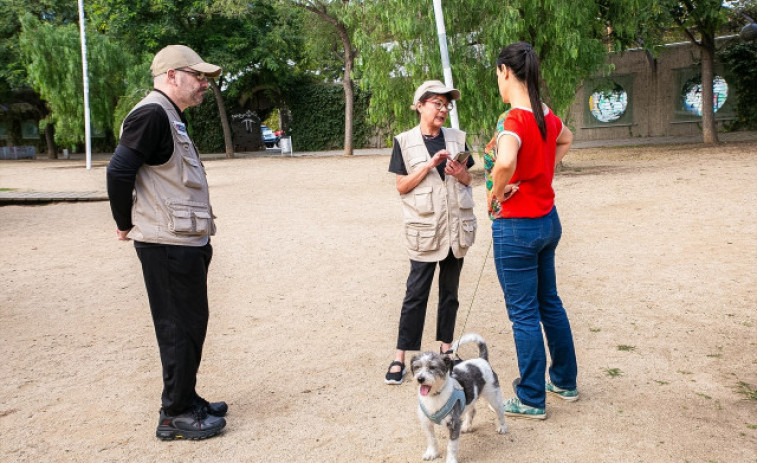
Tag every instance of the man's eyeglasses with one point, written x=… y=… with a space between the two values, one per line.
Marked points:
x=198 y=75
x=439 y=105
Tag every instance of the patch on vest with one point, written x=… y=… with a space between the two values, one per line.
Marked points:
x=180 y=128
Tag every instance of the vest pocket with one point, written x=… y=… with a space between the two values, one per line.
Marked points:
x=416 y=161
x=192 y=172
x=423 y=200
x=467 y=232
x=421 y=237
x=184 y=219
x=465 y=197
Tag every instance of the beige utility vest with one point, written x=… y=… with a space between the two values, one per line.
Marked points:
x=172 y=204
x=438 y=214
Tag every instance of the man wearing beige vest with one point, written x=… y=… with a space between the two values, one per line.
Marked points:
x=159 y=199
x=439 y=225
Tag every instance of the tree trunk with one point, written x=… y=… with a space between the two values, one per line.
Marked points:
x=349 y=90
x=52 y=152
x=709 y=128
x=319 y=8
x=228 y=143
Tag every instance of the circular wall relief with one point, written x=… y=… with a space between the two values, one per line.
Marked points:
x=692 y=94
x=608 y=105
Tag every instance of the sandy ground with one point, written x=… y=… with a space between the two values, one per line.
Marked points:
x=656 y=269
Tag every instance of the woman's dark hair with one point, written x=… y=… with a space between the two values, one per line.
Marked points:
x=521 y=58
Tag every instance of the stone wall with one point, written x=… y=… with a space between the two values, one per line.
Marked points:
x=646 y=97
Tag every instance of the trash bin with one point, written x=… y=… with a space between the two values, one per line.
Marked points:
x=286 y=145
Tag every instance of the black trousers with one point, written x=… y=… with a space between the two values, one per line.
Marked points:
x=413 y=314
x=176 y=282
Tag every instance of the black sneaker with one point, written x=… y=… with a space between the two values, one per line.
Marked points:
x=213 y=408
x=193 y=424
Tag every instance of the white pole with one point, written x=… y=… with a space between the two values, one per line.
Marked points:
x=85 y=73
x=442 y=32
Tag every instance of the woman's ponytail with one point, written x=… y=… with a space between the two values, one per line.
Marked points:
x=521 y=58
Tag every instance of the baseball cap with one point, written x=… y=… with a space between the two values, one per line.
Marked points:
x=180 y=56
x=434 y=86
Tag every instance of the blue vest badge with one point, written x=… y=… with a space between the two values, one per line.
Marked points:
x=180 y=128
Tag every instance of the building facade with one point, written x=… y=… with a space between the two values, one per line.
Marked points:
x=649 y=97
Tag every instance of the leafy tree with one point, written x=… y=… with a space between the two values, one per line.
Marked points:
x=701 y=22
x=399 y=49
x=242 y=37
x=13 y=79
x=52 y=58
x=336 y=15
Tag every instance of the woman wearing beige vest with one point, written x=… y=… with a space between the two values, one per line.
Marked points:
x=439 y=224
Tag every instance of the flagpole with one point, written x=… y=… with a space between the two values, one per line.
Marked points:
x=85 y=74
x=442 y=32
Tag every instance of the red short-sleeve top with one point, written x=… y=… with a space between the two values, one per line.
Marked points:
x=535 y=166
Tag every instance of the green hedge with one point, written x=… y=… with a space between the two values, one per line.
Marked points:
x=740 y=62
x=317 y=121
x=205 y=125
x=318 y=117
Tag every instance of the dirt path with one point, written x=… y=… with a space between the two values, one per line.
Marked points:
x=656 y=269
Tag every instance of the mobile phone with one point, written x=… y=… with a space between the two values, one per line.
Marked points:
x=462 y=156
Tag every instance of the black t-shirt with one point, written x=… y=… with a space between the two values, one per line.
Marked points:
x=397 y=165
x=146 y=139
x=147 y=131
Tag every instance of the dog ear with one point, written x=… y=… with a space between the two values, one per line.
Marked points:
x=448 y=363
x=412 y=364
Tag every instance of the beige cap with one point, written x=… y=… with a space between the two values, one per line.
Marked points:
x=434 y=86
x=180 y=56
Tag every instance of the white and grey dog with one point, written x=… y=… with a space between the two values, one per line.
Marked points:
x=447 y=395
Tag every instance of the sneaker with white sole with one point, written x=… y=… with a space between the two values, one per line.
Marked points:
x=514 y=408
x=568 y=395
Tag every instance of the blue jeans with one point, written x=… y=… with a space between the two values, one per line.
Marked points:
x=524 y=254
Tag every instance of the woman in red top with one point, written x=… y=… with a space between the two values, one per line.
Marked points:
x=520 y=162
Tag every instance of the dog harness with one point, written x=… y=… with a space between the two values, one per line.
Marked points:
x=457 y=396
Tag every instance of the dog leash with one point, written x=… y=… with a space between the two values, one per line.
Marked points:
x=475 y=291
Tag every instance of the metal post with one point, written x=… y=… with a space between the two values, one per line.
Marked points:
x=85 y=74
x=442 y=32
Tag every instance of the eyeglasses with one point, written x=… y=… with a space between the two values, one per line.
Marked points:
x=439 y=105
x=198 y=75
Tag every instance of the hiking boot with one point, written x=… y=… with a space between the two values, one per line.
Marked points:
x=568 y=395
x=513 y=407
x=213 y=408
x=194 y=423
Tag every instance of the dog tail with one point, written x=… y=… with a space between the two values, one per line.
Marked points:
x=483 y=351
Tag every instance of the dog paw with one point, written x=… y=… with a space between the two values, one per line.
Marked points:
x=430 y=454
x=466 y=427
x=502 y=429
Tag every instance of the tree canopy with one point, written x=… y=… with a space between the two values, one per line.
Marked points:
x=400 y=50
x=52 y=58
x=387 y=47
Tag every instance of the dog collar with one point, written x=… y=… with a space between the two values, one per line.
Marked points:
x=457 y=396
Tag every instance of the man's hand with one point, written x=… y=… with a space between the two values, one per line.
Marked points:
x=122 y=235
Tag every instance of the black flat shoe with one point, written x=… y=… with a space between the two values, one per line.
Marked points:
x=397 y=377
